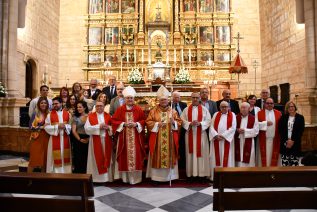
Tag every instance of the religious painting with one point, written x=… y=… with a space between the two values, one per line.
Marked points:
x=223 y=34
x=190 y=34
x=95 y=6
x=206 y=35
x=127 y=6
x=205 y=56
x=206 y=6
x=112 y=35
x=189 y=5
x=127 y=35
x=223 y=56
x=94 y=58
x=112 y=6
x=222 y=6
x=95 y=36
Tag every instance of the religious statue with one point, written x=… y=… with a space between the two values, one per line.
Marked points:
x=127 y=36
x=158 y=54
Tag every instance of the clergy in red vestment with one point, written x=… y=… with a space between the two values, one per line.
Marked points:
x=100 y=144
x=128 y=125
x=221 y=134
x=57 y=125
x=269 y=139
x=247 y=130
x=162 y=163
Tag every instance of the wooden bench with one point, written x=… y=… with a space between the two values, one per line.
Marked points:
x=266 y=177
x=74 y=188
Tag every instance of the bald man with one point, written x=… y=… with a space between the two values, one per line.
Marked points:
x=265 y=93
x=233 y=104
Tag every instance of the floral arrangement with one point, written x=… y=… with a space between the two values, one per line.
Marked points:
x=3 y=92
x=135 y=77
x=182 y=76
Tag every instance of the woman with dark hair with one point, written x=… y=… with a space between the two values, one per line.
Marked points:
x=253 y=109
x=64 y=93
x=291 y=128
x=80 y=138
x=77 y=90
x=39 y=138
x=71 y=104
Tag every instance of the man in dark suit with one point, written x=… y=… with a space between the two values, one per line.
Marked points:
x=118 y=100
x=209 y=104
x=179 y=106
x=233 y=104
x=93 y=91
x=111 y=90
x=265 y=93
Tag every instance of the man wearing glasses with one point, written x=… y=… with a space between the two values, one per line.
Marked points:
x=118 y=100
x=269 y=139
x=93 y=91
x=43 y=93
x=111 y=90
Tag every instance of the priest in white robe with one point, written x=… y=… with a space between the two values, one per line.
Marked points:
x=196 y=119
x=163 y=125
x=221 y=134
x=247 y=130
x=269 y=139
x=57 y=125
x=99 y=160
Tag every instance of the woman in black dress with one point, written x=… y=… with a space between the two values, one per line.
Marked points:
x=291 y=128
x=80 y=138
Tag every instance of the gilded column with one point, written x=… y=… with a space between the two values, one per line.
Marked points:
x=141 y=36
x=177 y=35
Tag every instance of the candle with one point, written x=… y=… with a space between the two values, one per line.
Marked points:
x=174 y=55
x=121 y=68
x=182 y=55
x=127 y=55
x=189 y=55
x=142 y=56
x=167 y=57
x=134 y=55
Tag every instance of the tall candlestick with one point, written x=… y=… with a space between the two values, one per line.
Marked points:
x=142 y=56
x=134 y=56
x=174 y=55
x=127 y=55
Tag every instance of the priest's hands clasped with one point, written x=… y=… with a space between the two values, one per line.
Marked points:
x=195 y=123
x=104 y=126
x=130 y=124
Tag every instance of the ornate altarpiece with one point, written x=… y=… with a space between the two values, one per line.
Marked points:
x=122 y=34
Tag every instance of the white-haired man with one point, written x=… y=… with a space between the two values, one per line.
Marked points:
x=265 y=93
x=128 y=123
x=93 y=91
x=247 y=130
x=221 y=134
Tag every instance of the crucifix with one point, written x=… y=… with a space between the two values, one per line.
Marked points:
x=158 y=14
x=238 y=38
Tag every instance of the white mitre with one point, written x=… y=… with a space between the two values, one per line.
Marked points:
x=129 y=91
x=162 y=93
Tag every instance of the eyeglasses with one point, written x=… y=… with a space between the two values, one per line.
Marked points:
x=269 y=103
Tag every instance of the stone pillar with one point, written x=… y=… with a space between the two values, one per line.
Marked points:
x=10 y=110
x=4 y=23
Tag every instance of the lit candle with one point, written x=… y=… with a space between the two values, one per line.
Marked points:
x=174 y=55
x=189 y=55
x=127 y=55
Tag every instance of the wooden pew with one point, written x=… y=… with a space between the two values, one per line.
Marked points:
x=74 y=188
x=265 y=177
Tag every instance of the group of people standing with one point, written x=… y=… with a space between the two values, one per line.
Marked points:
x=111 y=142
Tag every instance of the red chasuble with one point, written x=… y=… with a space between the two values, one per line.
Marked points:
x=247 y=143
x=130 y=149
x=190 y=131
x=102 y=157
x=276 y=139
x=56 y=141
x=227 y=143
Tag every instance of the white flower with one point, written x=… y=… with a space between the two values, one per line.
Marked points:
x=3 y=91
x=135 y=76
x=182 y=76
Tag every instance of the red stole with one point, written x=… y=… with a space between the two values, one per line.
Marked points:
x=56 y=141
x=247 y=143
x=276 y=140
x=227 y=143
x=102 y=159
x=190 y=131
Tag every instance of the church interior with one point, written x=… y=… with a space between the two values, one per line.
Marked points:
x=239 y=45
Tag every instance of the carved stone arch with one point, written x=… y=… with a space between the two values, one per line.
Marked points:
x=31 y=76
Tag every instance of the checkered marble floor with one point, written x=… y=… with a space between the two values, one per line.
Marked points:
x=129 y=199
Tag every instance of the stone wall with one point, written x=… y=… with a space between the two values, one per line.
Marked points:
x=38 y=41
x=72 y=38
x=247 y=22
